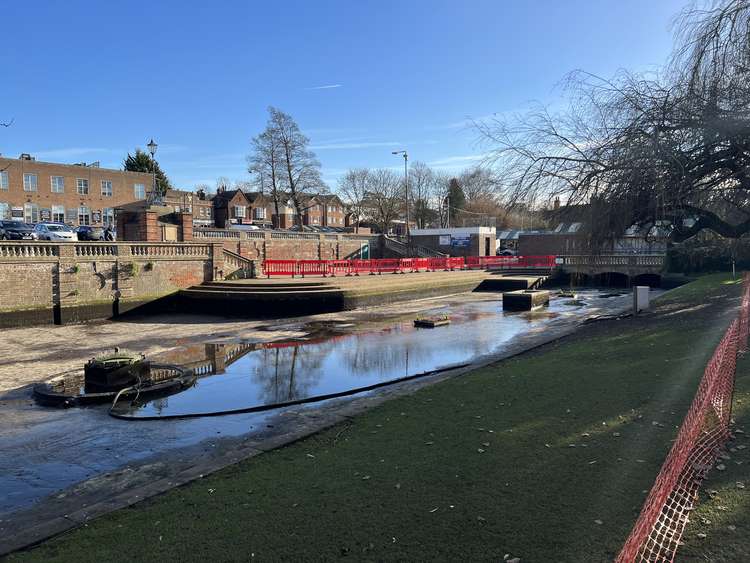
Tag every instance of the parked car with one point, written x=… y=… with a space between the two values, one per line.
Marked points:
x=17 y=230
x=54 y=231
x=87 y=232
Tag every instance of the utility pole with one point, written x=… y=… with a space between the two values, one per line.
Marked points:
x=406 y=190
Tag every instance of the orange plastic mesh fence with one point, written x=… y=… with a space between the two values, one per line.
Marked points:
x=704 y=431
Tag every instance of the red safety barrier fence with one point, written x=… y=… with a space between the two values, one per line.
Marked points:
x=362 y=266
x=745 y=315
x=280 y=267
x=312 y=267
x=701 y=438
x=340 y=267
x=398 y=265
x=387 y=265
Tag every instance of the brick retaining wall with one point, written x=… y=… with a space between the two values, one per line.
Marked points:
x=68 y=282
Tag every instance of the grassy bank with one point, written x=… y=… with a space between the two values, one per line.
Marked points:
x=546 y=457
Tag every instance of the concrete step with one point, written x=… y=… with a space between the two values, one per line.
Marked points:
x=258 y=289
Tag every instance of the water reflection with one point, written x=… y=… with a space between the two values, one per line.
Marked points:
x=242 y=375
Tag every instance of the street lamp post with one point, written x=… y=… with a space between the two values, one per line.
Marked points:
x=152 y=149
x=406 y=190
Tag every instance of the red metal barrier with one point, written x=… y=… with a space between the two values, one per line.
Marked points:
x=455 y=263
x=510 y=262
x=280 y=267
x=392 y=265
x=704 y=431
x=362 y=267
x=313 y=267
x=745 y=315
x=337 y=267
x=406 y=264
x=421 y=264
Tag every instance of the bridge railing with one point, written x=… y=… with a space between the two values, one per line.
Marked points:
x=630 y=260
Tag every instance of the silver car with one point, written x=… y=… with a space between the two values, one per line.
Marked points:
x=54 y=231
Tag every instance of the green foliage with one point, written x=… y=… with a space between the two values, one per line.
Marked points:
x=142 y=162
x=75 y=269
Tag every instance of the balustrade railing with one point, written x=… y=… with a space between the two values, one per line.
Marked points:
x=29 y=250
x=653 y=260
x=96 y=249
x=156 y=250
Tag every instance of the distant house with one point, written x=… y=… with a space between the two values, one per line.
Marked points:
x=197 y=203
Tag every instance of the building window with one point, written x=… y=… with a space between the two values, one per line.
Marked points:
x=29 y=182
x=83 y=187
x=4 y=211
x=260 y=212
x=239 y=211
x=58 y=184
x=4 y=180
x=84 y=216
x=58 y=214
x=107 y=188
x=108 y=216
x=31 y=212
x=139 y=191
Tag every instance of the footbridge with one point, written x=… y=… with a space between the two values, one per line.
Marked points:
x=631 y=268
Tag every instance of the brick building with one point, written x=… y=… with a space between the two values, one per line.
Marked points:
x=77 y=194
x=236 y=207
x=197 y=203
x=324 y=210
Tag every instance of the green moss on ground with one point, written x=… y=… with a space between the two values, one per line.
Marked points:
x=546 y=457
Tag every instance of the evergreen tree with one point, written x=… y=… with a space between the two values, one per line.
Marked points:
x=142 y=162
x=456 y=199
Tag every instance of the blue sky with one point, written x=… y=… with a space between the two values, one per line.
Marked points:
x=87 y=81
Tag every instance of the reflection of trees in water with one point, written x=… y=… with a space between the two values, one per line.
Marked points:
x=287 y=373
x=399 y=352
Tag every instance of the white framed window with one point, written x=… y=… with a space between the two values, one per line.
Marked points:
x=29 y=182
x=4 y=211
x=259 y=212
x=30 y=212
x=3 y=180
x=139 y=191
x=239 y=211
x=107 y=188
x=57 y=184
x=82 y=186
x=84 y=216
x=58 y=213
x=108 y=216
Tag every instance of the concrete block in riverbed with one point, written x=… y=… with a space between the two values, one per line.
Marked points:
x=525 y=300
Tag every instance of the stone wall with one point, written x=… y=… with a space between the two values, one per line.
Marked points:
x=68 y=282
x=280 y=245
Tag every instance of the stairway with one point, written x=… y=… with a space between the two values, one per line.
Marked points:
x=405 y=251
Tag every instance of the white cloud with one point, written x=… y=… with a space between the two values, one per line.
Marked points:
x=324 y=87
x=456 y=161
x=353 y=145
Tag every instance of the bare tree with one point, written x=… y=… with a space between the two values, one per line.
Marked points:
x=353 y=188
x=439 y=197
x=384 y=197
x=672 y=151
x=420 y=187
x=223 y=183
x=265 y=162
x=301 y=170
